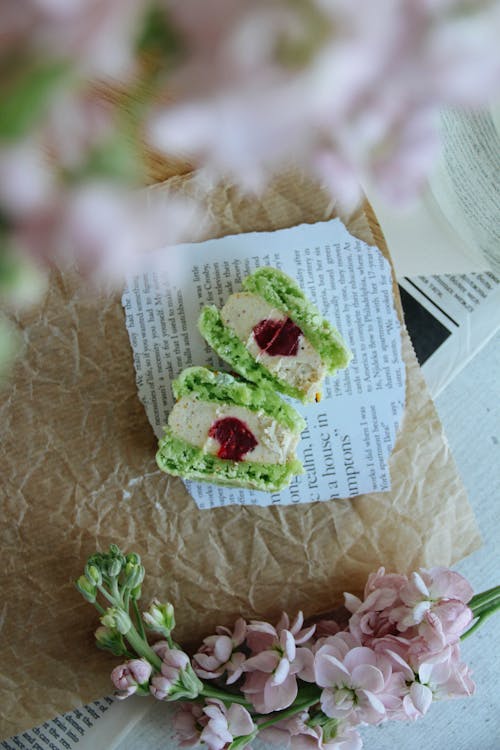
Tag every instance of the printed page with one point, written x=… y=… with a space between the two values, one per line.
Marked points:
x=466 y=183
x=62 y=733
x=350 y=434
x=449 y=318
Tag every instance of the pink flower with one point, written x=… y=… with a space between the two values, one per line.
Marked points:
x=218 y=654
x=430 y=677
x=127 y=677
x=444 y=624
x=177 y=678
x=188 y=721
x=371 y=618
x=356 y=683
x=299 y=735
x=434 y=601
x=225 y=724
x=271 y=684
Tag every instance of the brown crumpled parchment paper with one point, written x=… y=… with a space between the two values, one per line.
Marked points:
x=78 y=472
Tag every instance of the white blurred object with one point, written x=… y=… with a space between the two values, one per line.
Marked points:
x=455 y=226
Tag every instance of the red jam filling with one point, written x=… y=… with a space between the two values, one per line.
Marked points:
x=234 y=437
x=278 y=337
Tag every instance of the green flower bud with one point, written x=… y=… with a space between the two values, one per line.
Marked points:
x=114 y=567
x=93 y=574
x=133 y=558
x=160 y=617
x=328 y=726
x=86 y=589
x=110 y=639
x=133 y=575
x=118 y=619
x=191 y=683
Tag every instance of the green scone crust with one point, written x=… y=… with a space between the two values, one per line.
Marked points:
x=176 y=456
x=232 y=350
x=272 y=335
x=227 y=431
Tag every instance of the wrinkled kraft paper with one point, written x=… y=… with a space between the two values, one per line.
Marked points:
x=78 y=472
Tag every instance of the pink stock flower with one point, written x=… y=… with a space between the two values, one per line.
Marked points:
x=429 y=677
x=271 y=682
x=174 y=661
x=213 y=724
x=127 y=677
x=371 y=618
x=225 y=724
x=297 y=734
x=428 y=608
x=218 y=655
x=188 y=721
x=355 y=681
x=434 y=601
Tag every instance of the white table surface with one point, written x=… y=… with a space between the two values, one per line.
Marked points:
x=470 y=411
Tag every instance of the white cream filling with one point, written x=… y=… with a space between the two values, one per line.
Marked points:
x=305 y=371
x=191 y=420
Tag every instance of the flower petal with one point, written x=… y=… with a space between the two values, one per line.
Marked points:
x=278 y=697
x=358 y=656
x=421 y=696
x=330 y=671
x=281 y=672
x=367 y=677
x=239 y=721
x=266 y=661
x=223 y=648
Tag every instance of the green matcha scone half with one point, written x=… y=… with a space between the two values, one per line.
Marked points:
x=227 y=431
x=272 y=335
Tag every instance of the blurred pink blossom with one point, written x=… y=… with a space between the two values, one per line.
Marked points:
x=347 y=91
x=363 y=100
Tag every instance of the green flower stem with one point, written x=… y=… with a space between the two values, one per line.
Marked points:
x=482 y=601
x=142 y=647
x=100 y=609
x=295 y=708
x=486 y=606
x=211 y=692
x=482 y=594
x=107 y=595
x=480 y=619
x=116 y=593
x=138 y=617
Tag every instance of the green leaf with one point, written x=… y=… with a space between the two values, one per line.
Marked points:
x=26 y=93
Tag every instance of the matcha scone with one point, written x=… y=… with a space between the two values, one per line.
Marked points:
x=272 y=335
x=227 y=431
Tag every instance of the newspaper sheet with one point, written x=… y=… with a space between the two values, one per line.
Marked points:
x=62 y=733
x=449 y=318
x=350 y=434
